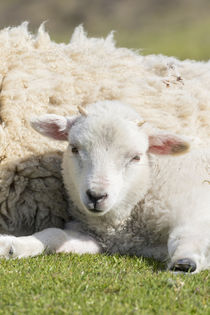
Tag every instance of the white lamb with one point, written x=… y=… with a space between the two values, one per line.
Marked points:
x=128 y=193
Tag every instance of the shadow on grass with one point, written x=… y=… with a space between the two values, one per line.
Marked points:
x=154 y=265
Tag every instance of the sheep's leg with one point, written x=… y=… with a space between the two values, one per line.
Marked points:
x=33 y=245
x=78 y=241
x=189 y=248
x=50 y=240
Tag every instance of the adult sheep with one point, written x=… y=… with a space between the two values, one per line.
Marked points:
x=39 y=76
x=126 y=197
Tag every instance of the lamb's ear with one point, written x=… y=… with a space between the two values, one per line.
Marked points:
x=53 y=126
x=167 y=144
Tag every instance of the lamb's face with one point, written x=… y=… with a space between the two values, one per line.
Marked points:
x=106 y=161
x=106 y=165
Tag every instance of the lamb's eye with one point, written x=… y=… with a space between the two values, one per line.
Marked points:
x=74 y=150
x=136 y=158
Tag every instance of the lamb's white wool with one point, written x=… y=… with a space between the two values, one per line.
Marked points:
x=130 y=189
x=39 y=76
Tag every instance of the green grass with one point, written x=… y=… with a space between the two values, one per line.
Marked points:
x=97 y=284
x=182 y=41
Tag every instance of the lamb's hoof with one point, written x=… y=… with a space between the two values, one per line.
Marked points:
x=7 y=249
x=11 y=251
x=184 y=265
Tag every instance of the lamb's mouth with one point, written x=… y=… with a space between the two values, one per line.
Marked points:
x=95 y=210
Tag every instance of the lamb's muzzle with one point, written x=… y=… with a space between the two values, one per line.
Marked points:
x=95 y=200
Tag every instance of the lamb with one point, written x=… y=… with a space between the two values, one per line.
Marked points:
x=39 y=76
x=130 y=190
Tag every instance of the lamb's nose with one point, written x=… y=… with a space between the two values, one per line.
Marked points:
x=93 y=197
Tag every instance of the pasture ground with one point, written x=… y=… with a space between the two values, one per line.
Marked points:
x=99 y=284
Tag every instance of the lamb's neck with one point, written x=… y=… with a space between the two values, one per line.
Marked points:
x=118 y=216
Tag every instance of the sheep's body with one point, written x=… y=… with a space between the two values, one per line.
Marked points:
x=153 y=206
x=38 y=76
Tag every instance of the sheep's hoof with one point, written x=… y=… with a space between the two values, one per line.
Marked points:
x=11 y=251
x=183 y=265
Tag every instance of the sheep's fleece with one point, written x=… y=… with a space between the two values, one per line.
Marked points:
x=39 y=76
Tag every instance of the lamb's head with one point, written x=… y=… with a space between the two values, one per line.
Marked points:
x=106 y=163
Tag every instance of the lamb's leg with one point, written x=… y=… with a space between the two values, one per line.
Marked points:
x=17 y=247
x=50 y=240
x=189 y=248
x=77 y=241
